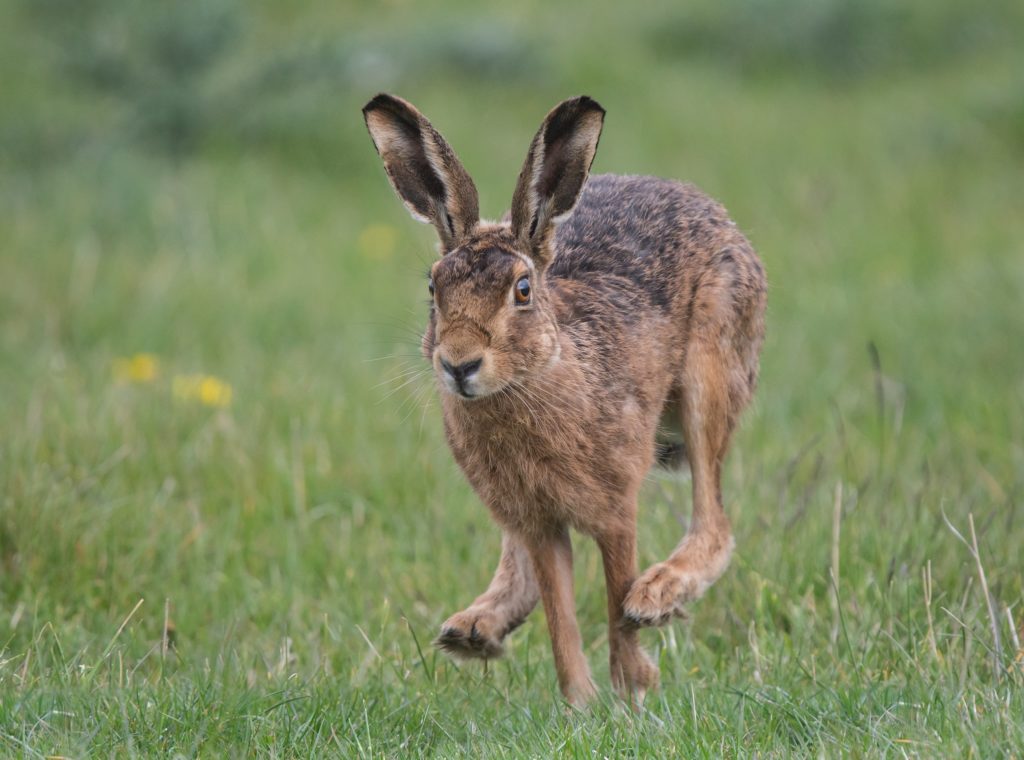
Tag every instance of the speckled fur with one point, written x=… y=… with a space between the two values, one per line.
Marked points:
x=646 y=302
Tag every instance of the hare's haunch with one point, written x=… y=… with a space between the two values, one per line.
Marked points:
x=560 y=339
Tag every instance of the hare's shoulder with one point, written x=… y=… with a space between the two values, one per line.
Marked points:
x=639 y=229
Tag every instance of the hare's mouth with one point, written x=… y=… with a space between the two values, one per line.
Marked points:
x=467 y=393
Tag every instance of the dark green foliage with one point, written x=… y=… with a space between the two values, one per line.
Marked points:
x=836 y=40
x=178 y=71
x=156 y=59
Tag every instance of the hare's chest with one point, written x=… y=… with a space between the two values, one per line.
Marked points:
x=531 y=478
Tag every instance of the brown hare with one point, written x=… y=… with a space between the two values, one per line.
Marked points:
x=560 y=338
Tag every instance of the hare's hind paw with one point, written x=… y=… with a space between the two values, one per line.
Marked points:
x=659 y=595
x=664 y=590
x=472 y=634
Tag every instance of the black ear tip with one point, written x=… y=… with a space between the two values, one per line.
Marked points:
x=587 y=103
x=384 y=101
x=375 y=102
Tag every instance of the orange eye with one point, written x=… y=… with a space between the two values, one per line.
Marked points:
x=522 y=291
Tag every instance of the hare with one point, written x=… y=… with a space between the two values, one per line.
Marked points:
x=560 y=338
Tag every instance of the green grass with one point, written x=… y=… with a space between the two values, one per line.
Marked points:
x=307 y=539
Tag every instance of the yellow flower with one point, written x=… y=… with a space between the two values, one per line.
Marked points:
x=140 y=368
x=377 y=241
x=206 y=389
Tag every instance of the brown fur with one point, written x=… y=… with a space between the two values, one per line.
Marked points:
x=645 y=301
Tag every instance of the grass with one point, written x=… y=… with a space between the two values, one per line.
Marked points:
x=264 y=578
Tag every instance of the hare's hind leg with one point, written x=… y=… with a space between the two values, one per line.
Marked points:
x=709 y=411
x=480 y=629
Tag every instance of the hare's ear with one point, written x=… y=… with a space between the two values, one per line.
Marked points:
x=423 y=169
x=555 y=170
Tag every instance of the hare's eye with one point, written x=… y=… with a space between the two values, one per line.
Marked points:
x=522 y=291
x=430 y=286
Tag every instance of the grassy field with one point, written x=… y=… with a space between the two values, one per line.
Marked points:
x=229 y=526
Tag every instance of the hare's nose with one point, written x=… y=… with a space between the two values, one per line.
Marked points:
x=461 y=372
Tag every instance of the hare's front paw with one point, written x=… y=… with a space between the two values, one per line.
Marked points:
x=659 y=595
x=474 y=632
x=579 y=695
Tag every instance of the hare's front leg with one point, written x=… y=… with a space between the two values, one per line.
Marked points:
x=552 y=564
x=480 y=629
x=632 y=671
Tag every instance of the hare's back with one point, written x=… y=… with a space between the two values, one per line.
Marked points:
x=643 y=229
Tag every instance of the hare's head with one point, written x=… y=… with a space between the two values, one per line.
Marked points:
x=492 y=321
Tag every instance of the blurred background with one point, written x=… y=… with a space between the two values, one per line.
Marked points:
x=210 y=303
